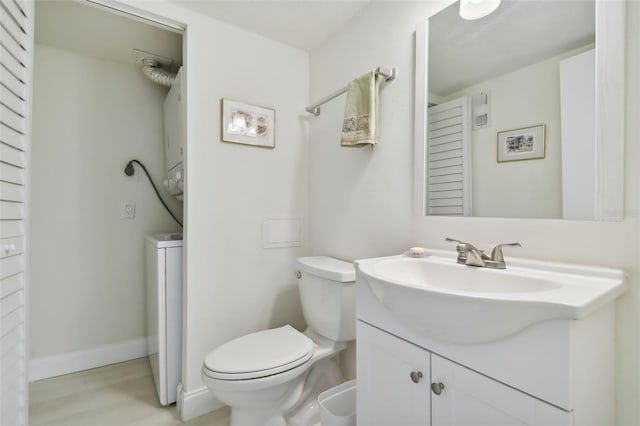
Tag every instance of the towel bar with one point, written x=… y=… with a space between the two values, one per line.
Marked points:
x=388 y=73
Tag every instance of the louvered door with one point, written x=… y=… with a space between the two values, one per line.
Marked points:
x=449 y=159
x=16 y=53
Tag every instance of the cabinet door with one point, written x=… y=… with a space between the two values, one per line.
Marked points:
x=388 y=393
x=471 y=399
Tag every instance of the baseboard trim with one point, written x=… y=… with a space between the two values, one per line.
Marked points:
x=196 y=403
x=72 y=362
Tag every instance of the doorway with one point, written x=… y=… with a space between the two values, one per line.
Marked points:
x=93 y=111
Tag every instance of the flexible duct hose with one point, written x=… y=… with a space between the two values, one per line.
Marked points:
x=152 y=70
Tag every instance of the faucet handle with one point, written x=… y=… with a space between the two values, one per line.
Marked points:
x=468 y=254
x=461 y=246
x=496 y=253
x=464 y=247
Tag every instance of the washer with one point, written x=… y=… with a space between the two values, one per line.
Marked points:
x=163 y=254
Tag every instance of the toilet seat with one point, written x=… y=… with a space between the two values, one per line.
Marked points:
x=259 y=354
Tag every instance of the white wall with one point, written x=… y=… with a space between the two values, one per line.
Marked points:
x=90 y=117
x=234 y=286
x=526 y=97
x=361 y=200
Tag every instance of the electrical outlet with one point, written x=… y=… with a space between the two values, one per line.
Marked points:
x=129 y=209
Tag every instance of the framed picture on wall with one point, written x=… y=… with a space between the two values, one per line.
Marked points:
x=527 y=143
x=248 y=124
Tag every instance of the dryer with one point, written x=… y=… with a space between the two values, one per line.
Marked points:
x=163 y=254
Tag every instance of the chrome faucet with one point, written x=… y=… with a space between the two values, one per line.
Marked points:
x=469 y=255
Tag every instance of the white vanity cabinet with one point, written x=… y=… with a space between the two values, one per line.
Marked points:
x=393 y=380
x=402 y=384
x=469 y=398
x=530 y=345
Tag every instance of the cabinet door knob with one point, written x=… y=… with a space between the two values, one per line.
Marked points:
x=437 y=388
x=415 y=376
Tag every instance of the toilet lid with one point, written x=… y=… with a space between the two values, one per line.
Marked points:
x=259 y=354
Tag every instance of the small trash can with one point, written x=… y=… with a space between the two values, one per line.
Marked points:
x=338 y=405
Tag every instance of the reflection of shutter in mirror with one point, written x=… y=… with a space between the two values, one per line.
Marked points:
x=449 y=159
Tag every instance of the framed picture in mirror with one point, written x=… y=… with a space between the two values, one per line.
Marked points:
x=527 y=143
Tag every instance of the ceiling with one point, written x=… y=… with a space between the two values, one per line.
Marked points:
x=301 y=23
x=517 y=34
x=82 y=27
x=86 y=29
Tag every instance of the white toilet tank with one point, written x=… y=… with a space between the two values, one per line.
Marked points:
x=328 y=295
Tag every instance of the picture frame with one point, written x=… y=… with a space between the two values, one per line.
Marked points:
x=247 y=124
x=525 y=143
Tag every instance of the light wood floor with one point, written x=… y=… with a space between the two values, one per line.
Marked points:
x=115 y=395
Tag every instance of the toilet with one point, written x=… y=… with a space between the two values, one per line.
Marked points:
x=273 y=377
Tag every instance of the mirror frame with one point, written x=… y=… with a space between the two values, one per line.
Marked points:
x=610 y=110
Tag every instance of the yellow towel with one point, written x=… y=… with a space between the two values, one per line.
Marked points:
x=360 y=125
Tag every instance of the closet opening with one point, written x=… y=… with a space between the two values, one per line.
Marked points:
x=106 y=91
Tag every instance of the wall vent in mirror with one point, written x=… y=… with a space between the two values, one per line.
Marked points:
x=481 y=110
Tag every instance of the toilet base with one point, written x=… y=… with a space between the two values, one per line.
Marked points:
x=299 y=406
x=322 y=376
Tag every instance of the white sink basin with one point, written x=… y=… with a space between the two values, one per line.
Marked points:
x=466 y=304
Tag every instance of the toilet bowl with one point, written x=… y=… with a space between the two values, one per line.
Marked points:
x=272 y=377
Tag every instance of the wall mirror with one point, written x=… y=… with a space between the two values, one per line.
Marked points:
x=521 y=113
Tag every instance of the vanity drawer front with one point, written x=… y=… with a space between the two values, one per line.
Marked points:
x=536 y=361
